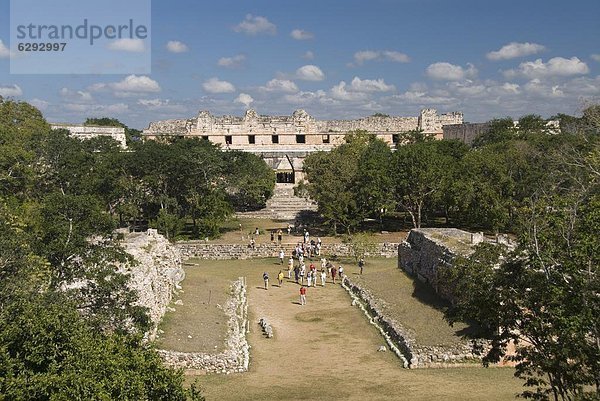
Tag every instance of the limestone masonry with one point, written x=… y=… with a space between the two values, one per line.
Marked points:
x=83 y=132
x=300 y=128
x=156 y=274
x=427 y=250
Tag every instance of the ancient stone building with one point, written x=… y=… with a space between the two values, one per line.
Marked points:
x=284 y=141
x=83 y=132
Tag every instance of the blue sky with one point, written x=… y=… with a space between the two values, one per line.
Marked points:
x=338 y=59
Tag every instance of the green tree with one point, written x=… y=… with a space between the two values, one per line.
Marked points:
x=351 y=182
x=250 y=182
x=419 y=173
x=543 y=296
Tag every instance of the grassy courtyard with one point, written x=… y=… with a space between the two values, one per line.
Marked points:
x=325 y=350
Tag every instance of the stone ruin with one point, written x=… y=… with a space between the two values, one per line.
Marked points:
x=426 y=250
x=156 y=274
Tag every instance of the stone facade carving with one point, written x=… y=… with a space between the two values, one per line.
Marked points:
x=255 y=131
x=83 y=132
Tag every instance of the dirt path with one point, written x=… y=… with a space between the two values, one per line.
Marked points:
x=327 y=350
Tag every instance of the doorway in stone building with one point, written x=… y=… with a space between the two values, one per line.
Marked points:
x=285 y=177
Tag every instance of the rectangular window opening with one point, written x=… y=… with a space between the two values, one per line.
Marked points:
x=274 y=138
x=300 y=139
x=228 y=139
x=326 y=139
x=251 y=139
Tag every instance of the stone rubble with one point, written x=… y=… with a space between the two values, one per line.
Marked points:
x=266 y=326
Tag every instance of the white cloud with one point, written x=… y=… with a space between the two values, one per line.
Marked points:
x=128 y=45
x=396 y=56
x=254 y=25
x=175 y=46
x=555 y=67
x=162 y=105
x=308 y=55
x=514 y=50
x=444 y=71
x=365 y=55
x=370 y=85
x=387 y=55
x=422 y=98
x=232 y=62
x=76 y=96
x=4 y=51
x=132 y=85
x=280 y=85
x=304 y=98
x=595 y=57
x=244 y=99
x=10 y=91
x=537 y=87
x=135 y=83
x=310 y=73
x=342 y=92
x=299 y=34
x=214 y=85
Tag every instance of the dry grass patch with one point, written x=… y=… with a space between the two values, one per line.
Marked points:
x=408 y=301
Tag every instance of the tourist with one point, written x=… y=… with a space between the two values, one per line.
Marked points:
x=314 y=276
x=341 y=272
x=289 y=229
x=333 y=273
x=323 y=277
x=252 y=243
x=318 y=249
x=256 y=231
x=329 y=266
x=290 y=267
x=272 y=236
x=266 y=279
x=306 y=236
x=302 y=273
x=361 y=265
x=303 y=295
x=309 y=279
x=297 y=273
x=279 y=236
x=281 y=256
x=280 y=278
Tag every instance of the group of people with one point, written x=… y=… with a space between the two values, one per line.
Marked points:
x=308 y=277
x=304 y=276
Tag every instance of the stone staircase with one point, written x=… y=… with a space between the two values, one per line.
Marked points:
x=283 y=205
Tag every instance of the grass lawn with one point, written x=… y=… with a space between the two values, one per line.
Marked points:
x=325 y=350
x=408 y=301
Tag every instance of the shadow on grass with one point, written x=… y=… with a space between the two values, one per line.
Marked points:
x=425 y=294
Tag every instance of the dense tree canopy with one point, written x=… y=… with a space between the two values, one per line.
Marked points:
x=69 y=324
x=350 y=182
